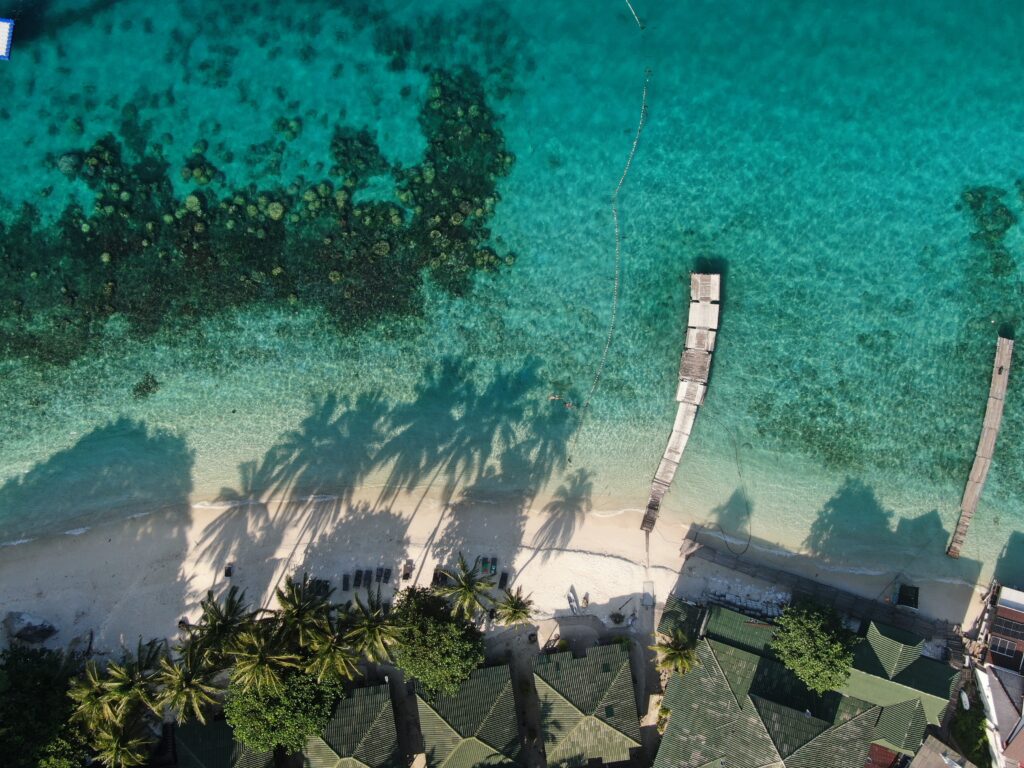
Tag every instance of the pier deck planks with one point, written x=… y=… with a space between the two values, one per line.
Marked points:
x=986 y=444
x=694 y=370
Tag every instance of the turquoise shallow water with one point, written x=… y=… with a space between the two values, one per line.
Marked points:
x=817 y=154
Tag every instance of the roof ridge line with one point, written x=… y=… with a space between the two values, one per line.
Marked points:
x=841 y=726
x=366 y=733
x=504 y=688
x=718 y=665
x=632 y=693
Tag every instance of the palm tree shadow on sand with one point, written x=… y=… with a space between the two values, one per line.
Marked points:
x=565 y=513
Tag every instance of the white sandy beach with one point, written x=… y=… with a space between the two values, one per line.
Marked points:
x=138 y=577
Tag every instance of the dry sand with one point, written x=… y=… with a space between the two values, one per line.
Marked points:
x=138 y=577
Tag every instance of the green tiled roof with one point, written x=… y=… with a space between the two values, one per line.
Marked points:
x=890 y=654
x=476 y=726
x=361 y=732
x=588 y=707
x=741 y=631
x=724 y=712
x=901 y=726
x=213 y=746
x=887 y=651
x=680 y=615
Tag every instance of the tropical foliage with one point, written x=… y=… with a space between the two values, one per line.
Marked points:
x=34 y=710
x=514 y=607
x=812 y=642
x=467 y=589
x=265 y=720
x=436 y=648
x=675 y=652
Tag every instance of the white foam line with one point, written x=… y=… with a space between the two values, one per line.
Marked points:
x=15 y=543
x=76 y=531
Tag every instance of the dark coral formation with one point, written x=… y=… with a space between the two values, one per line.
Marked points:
x=992 y=220
x=148 y=255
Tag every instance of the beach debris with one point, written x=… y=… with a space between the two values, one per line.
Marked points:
x=28 y=628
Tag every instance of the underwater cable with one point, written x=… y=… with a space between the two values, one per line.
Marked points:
x=618 y=260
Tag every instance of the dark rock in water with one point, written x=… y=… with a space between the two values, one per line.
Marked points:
x=28 y=628
x=145 y=386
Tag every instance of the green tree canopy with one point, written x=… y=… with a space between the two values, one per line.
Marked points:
x=265 y=720
x=35 y=709
x=812 y=642
x=438 y=649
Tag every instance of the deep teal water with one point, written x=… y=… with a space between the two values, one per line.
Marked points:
x=818 y=154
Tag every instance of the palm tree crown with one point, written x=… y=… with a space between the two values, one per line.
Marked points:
x=261 y=658
x=468 y=589
x=370 y=632
x=303 y=609
x=221 y=624
x=186 y=687
x=92 y=704
x=333 y=657
x=675 y=652
x=514 y=607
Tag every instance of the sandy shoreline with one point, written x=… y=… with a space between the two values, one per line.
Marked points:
x=139 y=576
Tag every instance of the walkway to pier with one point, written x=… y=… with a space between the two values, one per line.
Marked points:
x=986 y=444
x=694 y=369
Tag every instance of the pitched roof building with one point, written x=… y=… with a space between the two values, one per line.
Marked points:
x=361 y=733
x=475 y=727
x=1000 y=682
x=741 y=707
x=213 y=746
x=588 y=706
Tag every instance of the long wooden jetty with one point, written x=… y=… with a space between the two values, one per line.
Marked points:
x=986 y=444
x=694 y=369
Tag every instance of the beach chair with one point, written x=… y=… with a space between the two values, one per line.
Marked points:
x=503 y=581
x=407 y=570
x=345 y=583
x=439 y=578
x=359 y=579
x=380 y=574
x=485 y=564
x=494 y=565
x=321 y=587
x=387 y=575
x=367 y=578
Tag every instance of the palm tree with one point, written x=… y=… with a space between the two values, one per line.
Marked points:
x=467 y=590
x=261 y=659
x=129 y=683
x=119 y=746
x=220 y=625
x=333 y=657
x=303 y=609
x=187 y=686
x=92 y=704
x=370 y=632
x=675 y=652
x=514 y=608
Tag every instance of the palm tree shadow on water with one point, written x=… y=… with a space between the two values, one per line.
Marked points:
x=123 y=467
x=482 y=443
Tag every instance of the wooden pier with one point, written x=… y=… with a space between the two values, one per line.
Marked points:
x=694 y=369
x=986 y=444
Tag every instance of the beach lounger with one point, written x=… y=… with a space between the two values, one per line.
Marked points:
x=407 y=570
x=503 y=581
x=485 y=563
x=387 y=575
x=380 y=574
x=367 y=578
x=321 y=587
x=359 y=579
x=345 y=583
x=494 y=565
x=229 y=570
x=439 y=578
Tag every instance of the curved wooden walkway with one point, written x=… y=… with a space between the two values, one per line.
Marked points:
x=986 y=444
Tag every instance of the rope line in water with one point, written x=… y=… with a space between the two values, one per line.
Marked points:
x=618 y=259
x=638 y=22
